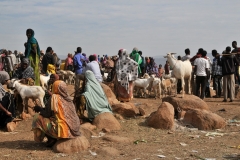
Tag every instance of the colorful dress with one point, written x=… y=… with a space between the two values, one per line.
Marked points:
x=137 y=58
x=32 y=51
x=59 y=119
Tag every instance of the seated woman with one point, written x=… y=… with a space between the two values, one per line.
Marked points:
x=25 y=72
x=93 y=98
x=59 y=119
x=48 y=92
x=7 y=108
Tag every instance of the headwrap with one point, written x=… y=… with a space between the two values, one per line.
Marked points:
x=2 y=92
x=31 y=41
x=55 y=76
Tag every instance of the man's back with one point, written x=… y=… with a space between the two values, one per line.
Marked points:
x=94 y=67
x=201 y=64
x=78 y=65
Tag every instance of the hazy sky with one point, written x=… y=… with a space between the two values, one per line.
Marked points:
x=105 y=26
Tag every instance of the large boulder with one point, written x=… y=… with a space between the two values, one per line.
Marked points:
x=163 y=118
x=106 y=120
x=117 y=139
x=110 y=95
x=125 y=109
x=187 y=103
x=203 y=120
x=73 y=145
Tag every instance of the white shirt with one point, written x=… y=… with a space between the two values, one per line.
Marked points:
x=184 y=58
x=94 y=67
x=201 y=64
x=14 y=59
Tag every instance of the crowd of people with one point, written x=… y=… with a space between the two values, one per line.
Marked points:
x=60 y=118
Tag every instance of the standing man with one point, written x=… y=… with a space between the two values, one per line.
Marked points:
x=142 y=65
x=201 y=67
x=236 y=50
x=217 y=74
x=228 y=63
x=78 y=67
x=187 y=56
x=94 y=67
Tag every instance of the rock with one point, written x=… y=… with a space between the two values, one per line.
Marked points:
x=88 y=126
x=105 y=130
x=87 y=133
x=163 y=118
x=108 y=151
x=117 y=139
x=203 y=120
x=110 y=95
x=73 y=145
x=125 y=109
x=11 y=126
x=118 y=116
x=142 y=111
x=186 y=103
x=181 y=114
x=106 y=120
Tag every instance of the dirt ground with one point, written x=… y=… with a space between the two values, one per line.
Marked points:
x=152 y=143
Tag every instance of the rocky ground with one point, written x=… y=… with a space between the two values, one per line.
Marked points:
x=135 y=140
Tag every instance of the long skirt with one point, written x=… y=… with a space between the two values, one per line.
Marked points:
x=42 y=126
x=122 y=94
x=8 y=103
x=34 y=62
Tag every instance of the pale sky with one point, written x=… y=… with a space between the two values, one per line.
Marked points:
x=105 y=26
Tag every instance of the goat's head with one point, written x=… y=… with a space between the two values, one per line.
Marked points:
x=145 y=76
x=12 y=83
x=170 y=55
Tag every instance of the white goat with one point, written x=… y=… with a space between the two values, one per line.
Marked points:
x=44 y=81
x=34 y=92
x=156 y=85
x=143 y=83
x=181 y=70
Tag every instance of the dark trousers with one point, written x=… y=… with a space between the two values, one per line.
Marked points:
x=237 y=78
x=8 y=103
x=201 y=81
x=217 y=81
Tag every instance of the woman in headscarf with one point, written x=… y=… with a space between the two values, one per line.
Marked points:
x=152 y=68
x=93 y=98
x=32 y=51
x=7 y=108
x=137 y=58
x=59 y=119
x=25 y=72
x=127 y=72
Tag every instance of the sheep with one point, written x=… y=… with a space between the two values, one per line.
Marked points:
x=34 y=92
x=44 y=81
x=143 y=83
x=181 y=70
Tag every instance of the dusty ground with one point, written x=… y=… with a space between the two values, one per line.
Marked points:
x=20 y=144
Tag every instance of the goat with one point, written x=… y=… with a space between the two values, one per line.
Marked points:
x=181 y=70
x=143 y=83
x=70 y=76
x=34 y=92
x=166 y=86
x=44 y=81
x=156 y=85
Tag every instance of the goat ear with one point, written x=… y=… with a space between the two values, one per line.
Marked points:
x=164 y=56
x=173 y=53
